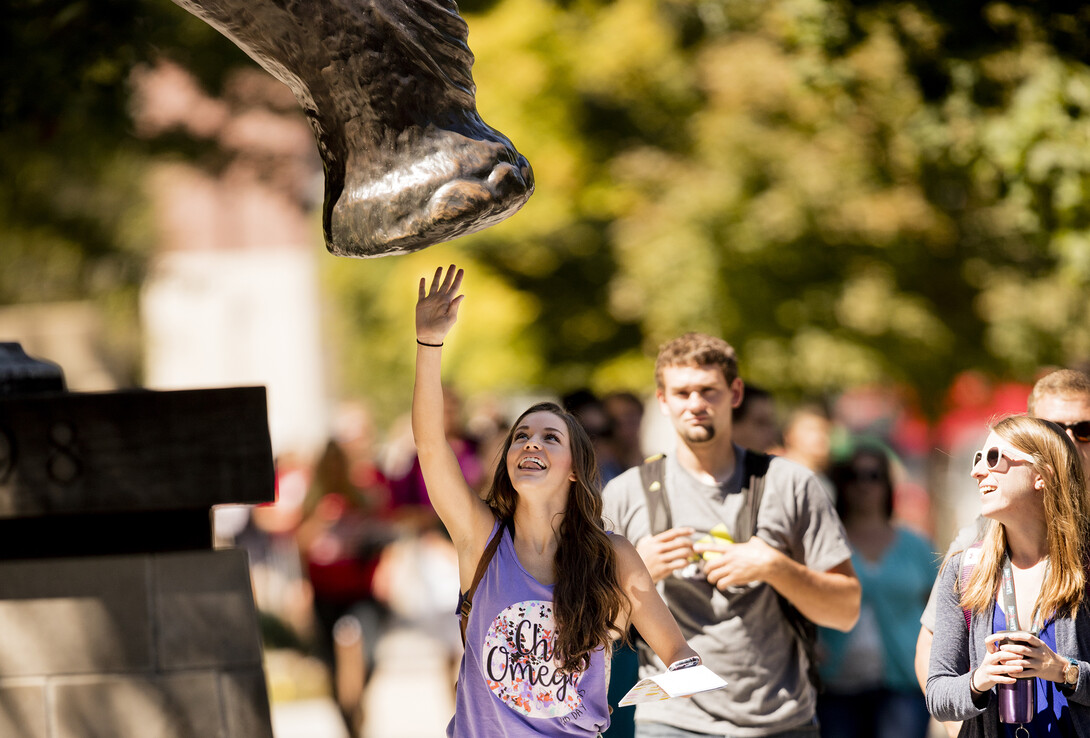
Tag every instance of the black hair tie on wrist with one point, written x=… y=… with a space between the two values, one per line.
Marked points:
x=429 y=345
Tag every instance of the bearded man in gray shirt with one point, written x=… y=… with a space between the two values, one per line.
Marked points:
x=726 y=596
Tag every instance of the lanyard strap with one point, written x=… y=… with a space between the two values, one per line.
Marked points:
x=1007 y=600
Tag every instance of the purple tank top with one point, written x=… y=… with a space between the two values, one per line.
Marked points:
x=508 y=684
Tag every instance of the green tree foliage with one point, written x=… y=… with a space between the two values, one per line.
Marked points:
x=848 y=192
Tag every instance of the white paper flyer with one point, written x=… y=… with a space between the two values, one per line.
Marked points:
x=680 y=683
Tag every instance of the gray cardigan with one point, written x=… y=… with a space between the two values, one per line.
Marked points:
x=955 y=652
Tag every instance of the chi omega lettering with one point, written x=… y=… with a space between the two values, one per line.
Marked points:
x=519 y=666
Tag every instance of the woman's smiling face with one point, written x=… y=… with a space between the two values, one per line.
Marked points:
x=540 y=452
x=1010 y=487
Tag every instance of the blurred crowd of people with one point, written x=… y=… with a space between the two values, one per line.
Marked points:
x=352 y=546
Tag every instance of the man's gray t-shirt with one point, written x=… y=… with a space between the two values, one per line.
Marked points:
x=741 y=634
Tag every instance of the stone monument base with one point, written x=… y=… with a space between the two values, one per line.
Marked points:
x=163 y=645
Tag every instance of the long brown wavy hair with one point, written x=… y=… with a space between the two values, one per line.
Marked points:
x=1067 y=514
x=587 y=597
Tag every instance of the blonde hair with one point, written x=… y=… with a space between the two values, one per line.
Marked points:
x=1067 y=514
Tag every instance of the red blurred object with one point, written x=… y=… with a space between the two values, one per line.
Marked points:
x=973 y=402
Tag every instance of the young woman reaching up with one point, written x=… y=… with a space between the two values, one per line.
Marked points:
x=556 y=590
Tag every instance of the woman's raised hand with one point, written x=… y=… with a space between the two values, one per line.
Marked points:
x=437 y=308
x=465 y=515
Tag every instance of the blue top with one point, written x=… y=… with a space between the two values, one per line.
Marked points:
x=1053 y=717
x=508 y=683
x=958 y=650
x=895 y=589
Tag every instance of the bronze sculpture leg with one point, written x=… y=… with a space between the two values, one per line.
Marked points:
x=388 y=91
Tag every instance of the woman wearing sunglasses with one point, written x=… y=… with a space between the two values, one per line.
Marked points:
x=870 y=688
x=1008 y=608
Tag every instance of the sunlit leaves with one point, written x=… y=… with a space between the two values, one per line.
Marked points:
x=849 y=192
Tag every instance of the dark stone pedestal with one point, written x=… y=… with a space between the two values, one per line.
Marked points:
x=117 y=619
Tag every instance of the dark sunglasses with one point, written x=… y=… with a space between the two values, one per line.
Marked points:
x=1081 y=430
x=865 y=475
x=993 y=456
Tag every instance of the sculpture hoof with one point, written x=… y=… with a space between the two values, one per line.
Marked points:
x=454 y=190
x=387 y=88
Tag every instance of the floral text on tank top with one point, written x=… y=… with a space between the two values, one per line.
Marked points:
x=510 y=681
x=518 y=663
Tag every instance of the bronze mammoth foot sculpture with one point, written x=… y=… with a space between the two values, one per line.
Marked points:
x=387 y=88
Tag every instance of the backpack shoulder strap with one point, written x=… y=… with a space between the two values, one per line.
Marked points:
x=969 y=559
x=754 y=468
x=465 y=601
x=653 y=476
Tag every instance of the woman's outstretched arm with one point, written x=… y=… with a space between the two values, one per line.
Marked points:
x=467 y=518
x=650 y=615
